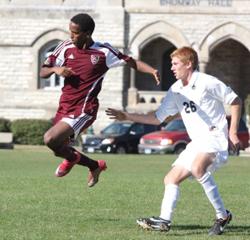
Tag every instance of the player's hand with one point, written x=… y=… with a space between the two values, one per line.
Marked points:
x=64 y=71
x=157 y=76
x=116 y=114
x=234 y=142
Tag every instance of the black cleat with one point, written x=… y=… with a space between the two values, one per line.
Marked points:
x=220 y=224
x=154 y=223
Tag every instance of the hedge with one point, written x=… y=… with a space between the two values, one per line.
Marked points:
x=5 y=125
x=29 y=131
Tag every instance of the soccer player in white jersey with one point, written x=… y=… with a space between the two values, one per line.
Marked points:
x=199 y=99
x=83 y=63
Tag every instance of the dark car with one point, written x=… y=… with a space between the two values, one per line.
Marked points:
x=174 y=138
x=118 y=137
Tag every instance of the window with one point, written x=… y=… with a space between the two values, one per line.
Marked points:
x=175 y=125
x=116 y=128
x=137 y=128
x=54 y=81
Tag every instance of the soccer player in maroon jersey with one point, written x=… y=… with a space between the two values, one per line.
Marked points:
x=83 y=63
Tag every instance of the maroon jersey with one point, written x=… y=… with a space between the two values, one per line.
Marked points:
x=80 y=91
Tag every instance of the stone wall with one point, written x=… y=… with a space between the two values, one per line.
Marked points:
x=128 y=25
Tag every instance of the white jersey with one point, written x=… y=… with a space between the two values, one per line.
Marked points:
x=201 y=105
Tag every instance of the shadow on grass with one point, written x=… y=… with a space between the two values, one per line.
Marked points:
x=179 y=230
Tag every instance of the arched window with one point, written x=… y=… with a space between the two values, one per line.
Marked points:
x=231 y=67
x=168 y=77
x=54 y=81
x=157 y=54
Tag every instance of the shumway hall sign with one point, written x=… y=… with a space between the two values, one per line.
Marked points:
x=198 y=3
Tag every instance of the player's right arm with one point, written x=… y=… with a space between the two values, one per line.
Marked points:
x=54 y=62
x=46 y=72
x=148 y=118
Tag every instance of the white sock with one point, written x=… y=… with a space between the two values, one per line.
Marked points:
x=211 y=190
x=169 y=201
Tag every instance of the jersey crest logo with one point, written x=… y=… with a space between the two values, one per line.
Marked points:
x=47 y=62
x=94 y=59
x=71 y=56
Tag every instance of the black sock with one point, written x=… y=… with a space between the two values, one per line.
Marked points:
x=66 y=152
x=88 y=162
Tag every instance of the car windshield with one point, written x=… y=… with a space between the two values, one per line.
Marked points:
x=116 y=128
x=175 y=125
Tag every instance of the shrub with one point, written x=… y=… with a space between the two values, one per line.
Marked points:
x=29 y=131
x=4 y=125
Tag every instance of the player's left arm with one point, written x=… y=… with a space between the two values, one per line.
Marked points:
x=115 y=58
x=235 y=119
x=147 y=118
x=145 y=68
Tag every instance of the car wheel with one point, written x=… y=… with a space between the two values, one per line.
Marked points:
x=121 y=150
x=179 y=148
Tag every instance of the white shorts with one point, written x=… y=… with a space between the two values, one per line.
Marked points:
x=80 y=123
x=186 y=158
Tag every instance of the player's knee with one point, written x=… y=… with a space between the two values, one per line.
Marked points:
x=170 y=180
x=198 y=171
x=48 y=139
x=166 y=180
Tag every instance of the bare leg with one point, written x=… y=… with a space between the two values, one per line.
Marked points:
x=57 y=138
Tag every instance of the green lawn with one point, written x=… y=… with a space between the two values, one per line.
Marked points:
x=36 y=205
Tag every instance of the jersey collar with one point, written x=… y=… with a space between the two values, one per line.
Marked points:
x=192 y=81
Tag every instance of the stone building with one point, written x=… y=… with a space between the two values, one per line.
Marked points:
x=148 y=30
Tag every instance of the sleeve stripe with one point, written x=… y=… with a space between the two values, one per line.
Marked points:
x=116 y=53
x=59 y=48
x=124 y=57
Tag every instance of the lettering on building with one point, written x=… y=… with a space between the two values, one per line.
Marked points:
x=197 y=3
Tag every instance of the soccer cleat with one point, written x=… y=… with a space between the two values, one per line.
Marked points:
x=93 y=176
x=220 y=224
x=65 y=167
x=154 y=223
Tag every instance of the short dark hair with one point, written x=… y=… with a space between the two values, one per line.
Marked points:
x=85 y=22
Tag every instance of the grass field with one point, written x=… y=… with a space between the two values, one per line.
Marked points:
x=36 y=205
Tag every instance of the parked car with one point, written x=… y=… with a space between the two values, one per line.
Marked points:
x=243 y=135
x=174 y=138
x=118 y=137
